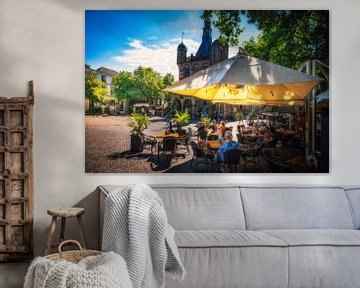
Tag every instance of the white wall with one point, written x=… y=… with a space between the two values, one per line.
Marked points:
x=43 y=40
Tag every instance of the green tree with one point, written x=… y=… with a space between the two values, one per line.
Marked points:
x=149 y=82
x=125 y=86
x=168 y=80
x=95 y=90
x=289 y=37
x=141 y=85
x=228 y=23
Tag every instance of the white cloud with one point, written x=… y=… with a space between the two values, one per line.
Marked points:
x=161 y=57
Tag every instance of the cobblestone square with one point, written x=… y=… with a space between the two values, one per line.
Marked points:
x=107 y=141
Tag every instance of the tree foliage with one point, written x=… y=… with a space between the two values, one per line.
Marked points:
x=125 y=86
x=169 y=79
x=95 y=89
x=228 y=23
x=143 y=83
x=289 y=37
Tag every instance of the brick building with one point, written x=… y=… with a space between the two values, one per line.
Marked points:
x=208 y=53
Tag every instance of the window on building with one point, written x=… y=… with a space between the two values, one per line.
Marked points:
x=103 y=78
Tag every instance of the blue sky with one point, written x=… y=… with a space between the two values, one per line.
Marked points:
x=125 y=39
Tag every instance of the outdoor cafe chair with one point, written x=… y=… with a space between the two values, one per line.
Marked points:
x=182 y=132
x=167 y=148
x=201 y=156
x=275 y=163
x=239 y=138
x=202 y=135
x=232 y=159
x=148 y=142
x=191 y=132
x=248 y=139
x=251 y=155
x=184 y=141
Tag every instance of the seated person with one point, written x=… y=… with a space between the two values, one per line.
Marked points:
x=229 y=144
x=222 y=129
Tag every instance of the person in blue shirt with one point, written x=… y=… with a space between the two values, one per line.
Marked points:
x=229 y=144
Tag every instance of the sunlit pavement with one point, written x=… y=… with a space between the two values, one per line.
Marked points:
x=107 y=141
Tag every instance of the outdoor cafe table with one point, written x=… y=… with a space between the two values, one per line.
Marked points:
x=163 y=135
x=213 y=144
x=173 y=135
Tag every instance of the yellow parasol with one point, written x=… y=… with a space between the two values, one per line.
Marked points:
x=246 y=80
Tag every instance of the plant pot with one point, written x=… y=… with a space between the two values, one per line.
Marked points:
x=238 y=128
x=135 y=143
x=181 y=132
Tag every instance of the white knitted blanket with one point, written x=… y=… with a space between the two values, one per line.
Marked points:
x=103 y=271
x=136 y=227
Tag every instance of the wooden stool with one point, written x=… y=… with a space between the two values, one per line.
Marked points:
x=64 y=213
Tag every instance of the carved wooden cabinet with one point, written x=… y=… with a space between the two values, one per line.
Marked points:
x=16 y=177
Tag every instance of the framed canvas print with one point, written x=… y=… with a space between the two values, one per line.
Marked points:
x=212 y=91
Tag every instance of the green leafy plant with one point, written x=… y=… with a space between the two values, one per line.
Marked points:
x=207 y=121
x=138 y=123
x=182 y=118
x=239 y=116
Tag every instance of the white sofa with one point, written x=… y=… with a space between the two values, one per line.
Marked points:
x=242 y=236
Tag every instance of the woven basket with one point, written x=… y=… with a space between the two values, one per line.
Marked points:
x=72 y=256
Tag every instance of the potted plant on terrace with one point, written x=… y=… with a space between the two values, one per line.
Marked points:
x=138 y=123
x=181 y=119
x=239 y=116
x=207 y=122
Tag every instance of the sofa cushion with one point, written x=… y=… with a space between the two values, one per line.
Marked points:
x=225 y=267
x=226 y=238
x=204 y=208
x=296 y=208
x=354 y=198
x=198 y=206
x=317 y=237
x=322 y=258
x=324 y=266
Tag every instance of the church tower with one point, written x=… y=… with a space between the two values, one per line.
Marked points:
x=181 y=53
x=218 y=52
x=206 y=41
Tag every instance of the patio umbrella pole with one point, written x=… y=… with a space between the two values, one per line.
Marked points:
x=307 y=119
x=313 y=114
